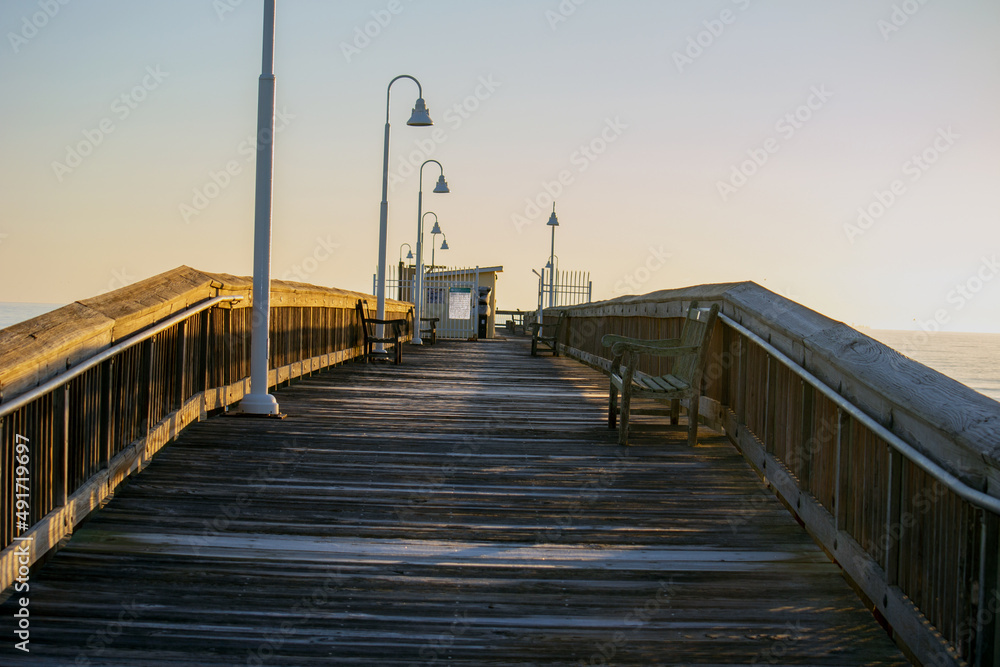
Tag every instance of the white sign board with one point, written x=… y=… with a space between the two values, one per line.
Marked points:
x=460 y=303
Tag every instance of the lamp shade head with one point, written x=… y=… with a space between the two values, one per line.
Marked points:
x=409 y=255
x=442 y=185
x=437 y=228
x=444 y=244
x=553 y=220
x=420 y=116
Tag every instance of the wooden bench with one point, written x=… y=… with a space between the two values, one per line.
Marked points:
x=552 y=340
x=392 y=334
x=689 y=353
x=431 y=330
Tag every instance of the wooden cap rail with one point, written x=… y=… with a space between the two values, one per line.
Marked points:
x=893 y=467
x=96 y=388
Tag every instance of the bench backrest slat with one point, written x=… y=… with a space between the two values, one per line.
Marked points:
x=697 y=331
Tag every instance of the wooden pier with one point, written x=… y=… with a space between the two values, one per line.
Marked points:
x=467 y=507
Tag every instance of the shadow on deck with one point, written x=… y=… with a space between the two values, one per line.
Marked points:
x=469 y=506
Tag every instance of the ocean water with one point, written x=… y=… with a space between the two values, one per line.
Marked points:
x=971 y=358
x=14 y=312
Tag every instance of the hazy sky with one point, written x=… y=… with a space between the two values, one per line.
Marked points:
x=844 y=153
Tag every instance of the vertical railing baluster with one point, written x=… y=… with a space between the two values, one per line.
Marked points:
x=841 y=488
x=771 y=393
x=892 y=532
x=180 y=367
x=146 y=385
x=105 y=412
x=807 y=437
x=203 y=338
x=987 y=627
x=61 y=444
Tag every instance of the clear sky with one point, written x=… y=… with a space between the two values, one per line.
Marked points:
x=844 y=153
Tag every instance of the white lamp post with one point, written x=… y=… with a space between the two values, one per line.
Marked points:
x=434 y=232
x=258 y=401
x=419 y=117
x=444 y=246
x=442 y=188
x=553 y=223
x=403 y=296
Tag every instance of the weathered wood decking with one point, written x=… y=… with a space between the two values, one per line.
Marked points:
x=468 y=507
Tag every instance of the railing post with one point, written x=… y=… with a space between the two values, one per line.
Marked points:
x=203 y=379
x=106 y=430
x=987 y=627
x=808 y=437
x=893 y=516
x=146 y=385
x=60 y=442
x=180 y=366
x=769 y=407
x=842 y=489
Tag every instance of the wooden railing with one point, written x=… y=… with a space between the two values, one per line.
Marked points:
x=892 y=467
x=93 y=390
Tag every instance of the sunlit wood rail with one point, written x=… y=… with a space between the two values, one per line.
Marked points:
x=90 y=392
x=467 y=507
x=893 y=467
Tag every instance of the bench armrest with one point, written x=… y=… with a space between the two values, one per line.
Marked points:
x=637 y=349
x=666 y=347
x=610 y=339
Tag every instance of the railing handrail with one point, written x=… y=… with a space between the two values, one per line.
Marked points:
x=104 y=355
x=960 y=488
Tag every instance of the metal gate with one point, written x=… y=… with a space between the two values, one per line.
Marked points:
x=452 y=298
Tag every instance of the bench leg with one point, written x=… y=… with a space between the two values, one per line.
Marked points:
x=675 y=411
x=534 y=347
x=626 y=403
x=693 y=420
x=613 y=406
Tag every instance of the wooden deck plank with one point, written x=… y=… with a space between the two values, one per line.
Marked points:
x=469 y=507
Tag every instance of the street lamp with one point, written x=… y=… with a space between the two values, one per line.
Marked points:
x=441 y=188
x=403 y=296
x=444 y=246
x=419 y=117
x=434 y=232
x=258 y=402
x=409 y=254
x=553 y=223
